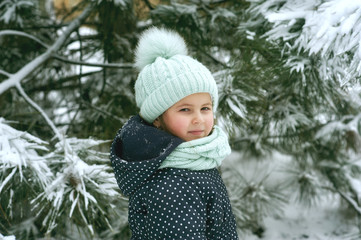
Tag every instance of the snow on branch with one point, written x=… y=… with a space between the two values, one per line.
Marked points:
x=18 y=153
x=12 y=237
x=332 y=27
x=5 y=73
x=347 y=123
x=330 y=30
x=83 y=183
x=351 y=201
x=16 y=78
x=63 y=59
x=40 y=110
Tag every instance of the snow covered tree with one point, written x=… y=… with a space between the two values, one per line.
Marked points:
x=308 y=103
x=290 y=94
x=68 y=188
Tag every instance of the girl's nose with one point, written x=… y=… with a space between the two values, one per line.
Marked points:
x=197 y=119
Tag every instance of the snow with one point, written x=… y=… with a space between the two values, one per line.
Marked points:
x=10 y=9
x=356 y=184
x=317 y=223
x=16 y=78
x=98 y=57
x=339 y=125
x=333 y=27
x=331 y=30
x=325 y=29
x=7 y=237
x=236 y=106
x=326 y=220
x=18 y=152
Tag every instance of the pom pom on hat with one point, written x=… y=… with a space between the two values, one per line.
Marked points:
x=155 y=43
x=167 y=74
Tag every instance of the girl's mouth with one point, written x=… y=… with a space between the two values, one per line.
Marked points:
x=196 y=132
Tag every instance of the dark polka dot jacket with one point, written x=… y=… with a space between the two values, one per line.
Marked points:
x=168 y=203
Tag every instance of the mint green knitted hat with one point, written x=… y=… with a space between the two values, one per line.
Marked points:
x=167 y=74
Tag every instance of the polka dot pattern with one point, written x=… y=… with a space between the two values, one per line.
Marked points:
x=171 y=203
x=182 y=204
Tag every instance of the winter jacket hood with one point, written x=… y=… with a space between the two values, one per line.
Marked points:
x=138 y=151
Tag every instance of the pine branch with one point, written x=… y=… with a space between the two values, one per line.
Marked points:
x=104 y=65
x=199 y=48
x=5 y=73
x=40 y=110
x=352 y=202
x=7 y=179
x=81 y=59
x=148 y=4
x=348 y=199
x=213 y=1
x=38 y=27
x=5 y=215
x=72 y=11
x=60 y=58
x=122 y=120
x=58 y=85
x=23 y=34
x=16 y=78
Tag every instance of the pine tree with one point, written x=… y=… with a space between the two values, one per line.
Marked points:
x=312 y=109
x=67 y=189
x=289 y=78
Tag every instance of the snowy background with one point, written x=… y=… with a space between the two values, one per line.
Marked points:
x=329 y=219
x=288 y=73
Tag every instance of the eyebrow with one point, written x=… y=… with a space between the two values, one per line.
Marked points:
x=190 y=105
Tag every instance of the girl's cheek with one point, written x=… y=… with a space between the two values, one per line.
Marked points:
x=210 y=125
x=180 y=124
x=176 y=123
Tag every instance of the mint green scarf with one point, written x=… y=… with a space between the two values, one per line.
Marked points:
x=200 y=154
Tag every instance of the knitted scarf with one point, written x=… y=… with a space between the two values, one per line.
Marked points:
x=200 y=154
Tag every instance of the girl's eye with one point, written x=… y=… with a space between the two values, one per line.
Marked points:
x=184 y=110
x=206 y=109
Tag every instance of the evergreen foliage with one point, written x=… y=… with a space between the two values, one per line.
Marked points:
x=289 y=78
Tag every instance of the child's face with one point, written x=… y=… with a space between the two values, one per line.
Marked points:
x=190 y=118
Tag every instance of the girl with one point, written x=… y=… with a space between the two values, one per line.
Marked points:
x=165 y=158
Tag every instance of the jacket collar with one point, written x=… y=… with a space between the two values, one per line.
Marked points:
x=137 y=152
